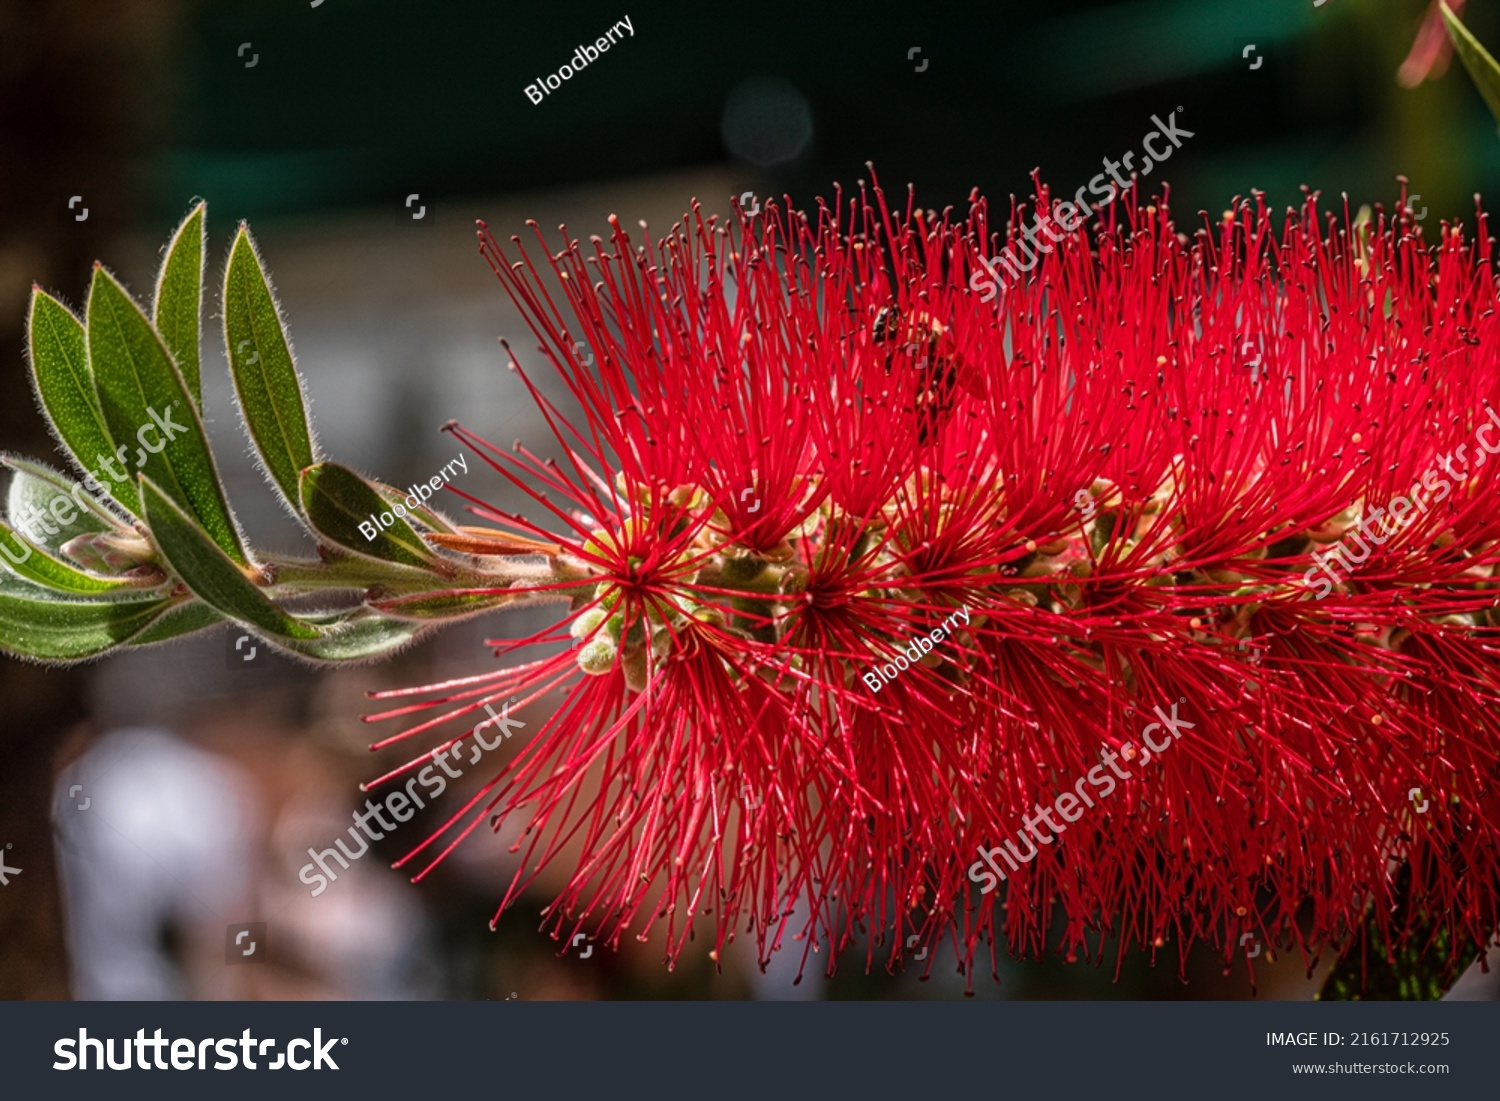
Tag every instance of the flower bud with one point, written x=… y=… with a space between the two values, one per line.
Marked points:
x=637 y=668
x=589 y=622
x=741 y=570
x=598 y=657
x=711 y=617
x=110 y=551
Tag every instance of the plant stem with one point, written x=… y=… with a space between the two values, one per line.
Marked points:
x=297 y=576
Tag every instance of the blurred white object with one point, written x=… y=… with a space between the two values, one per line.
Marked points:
x=154 y=835
x=367 y=937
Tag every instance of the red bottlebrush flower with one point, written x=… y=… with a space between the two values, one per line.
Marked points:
x=806 y=442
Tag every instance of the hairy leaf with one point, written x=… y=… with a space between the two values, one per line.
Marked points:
x=178 y=622
x=143 y=395
x=426 y=514
x=265 y=378
x=1482 y=67
x=178 y=306
x=357 y=636
x=64 y=381
x=34 y=492
x=336 y=500
x=70 y=631
x=451 y=604
x=210 y=573
x=35 y=564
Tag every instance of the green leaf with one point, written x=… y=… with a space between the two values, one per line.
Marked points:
x=64 y=381
x=35 y=489
x=429 y=516
x=336 y=501
x=178 y=306
x=37 y=565
x=357 y=636
x=140 y=392
x=450 y=604
x=54 y=630
x=210 y=573
x=15 y=585
x=177 y=622
x=1476 y=59
x=1419 y=968
x=265 y=377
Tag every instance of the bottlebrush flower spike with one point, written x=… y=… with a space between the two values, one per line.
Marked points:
x=805 y=442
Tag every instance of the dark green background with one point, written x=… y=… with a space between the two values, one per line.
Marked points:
x=359 y=100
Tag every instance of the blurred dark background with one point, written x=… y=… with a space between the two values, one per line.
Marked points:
x=316 y=119
x=356 y=103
